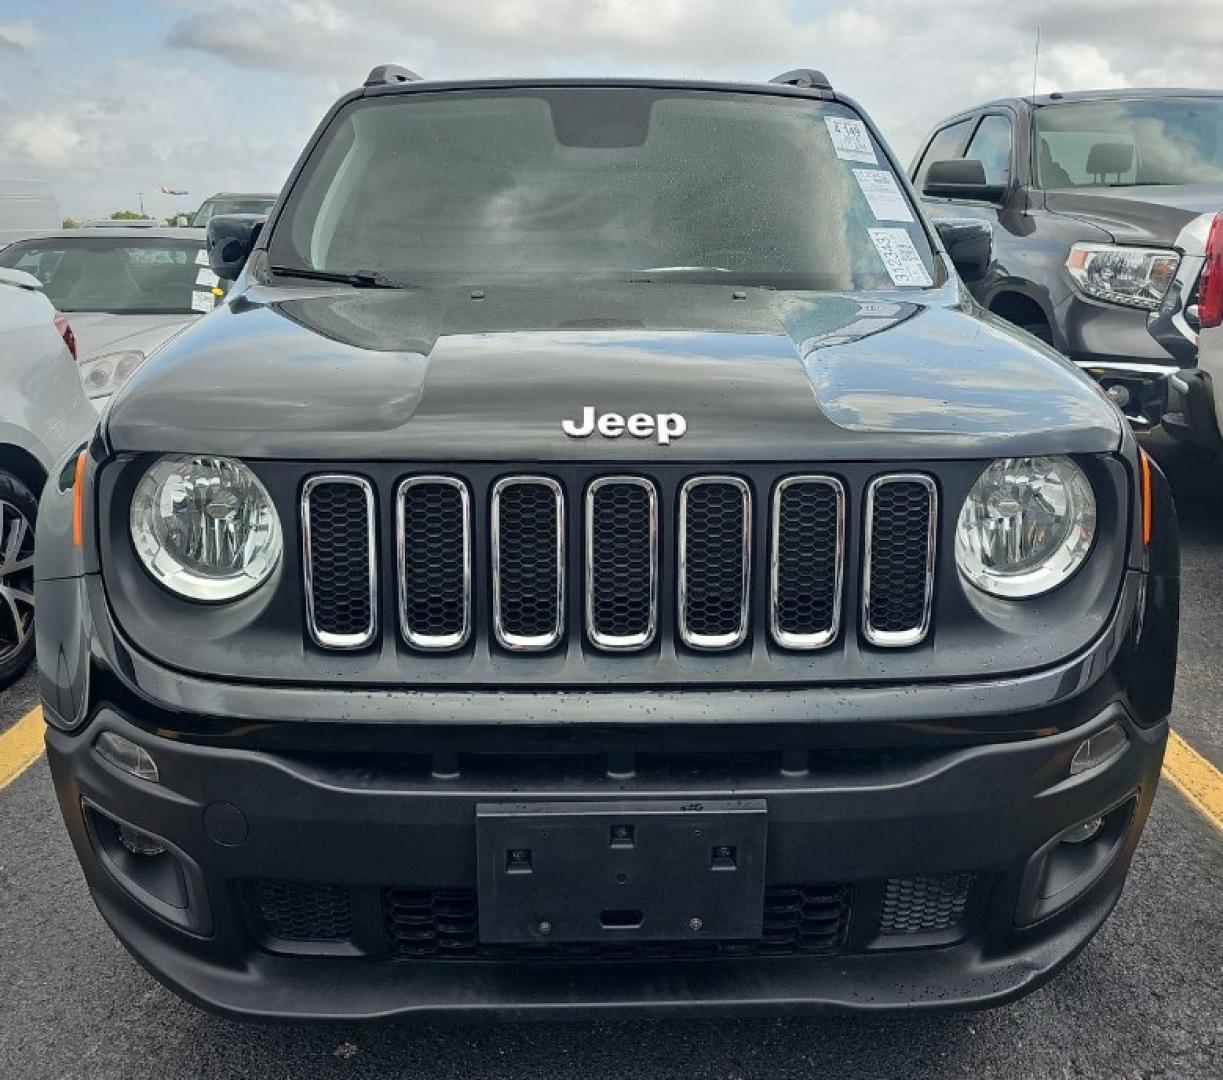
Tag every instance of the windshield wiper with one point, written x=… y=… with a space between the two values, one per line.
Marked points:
x=362 y=279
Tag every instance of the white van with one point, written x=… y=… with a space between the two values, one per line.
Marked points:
x=27 y=208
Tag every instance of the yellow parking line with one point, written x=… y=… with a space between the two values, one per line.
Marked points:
x=1195 y=777
x=20 y=746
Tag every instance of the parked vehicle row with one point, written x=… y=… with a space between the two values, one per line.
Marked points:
x=1105 y=208
x=43 y=416
x=127 y=291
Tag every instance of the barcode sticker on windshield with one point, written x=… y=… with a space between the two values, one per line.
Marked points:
x=207 y=277
x=904 y=265
x=202 y=301
x=850 y=139
x=883 y=195
x=201 y=257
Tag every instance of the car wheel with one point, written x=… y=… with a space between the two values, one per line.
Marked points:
x=18 y=512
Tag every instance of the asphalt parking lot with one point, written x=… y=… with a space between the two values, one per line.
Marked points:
x=1144 y=1000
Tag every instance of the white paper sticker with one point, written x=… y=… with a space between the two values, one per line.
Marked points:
x=883 y=195
x=202 y=301
x=903 y=264
x=207 y=277
x=850 y=139
x=201 y=257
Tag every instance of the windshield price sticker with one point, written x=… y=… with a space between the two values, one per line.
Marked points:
x=883 y=195
x=201 y=258
x=202 y=301
x=207 y=277
x=904 y=265
x=850 y=139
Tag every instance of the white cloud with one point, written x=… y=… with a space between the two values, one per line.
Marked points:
x=19 y=36
x=273 y=66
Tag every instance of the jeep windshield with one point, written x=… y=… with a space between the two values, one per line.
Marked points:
x=618 y=183
x=1130 y=142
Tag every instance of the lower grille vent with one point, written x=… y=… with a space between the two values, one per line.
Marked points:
x=441 y=924
x=924 y=905
x=303 y=911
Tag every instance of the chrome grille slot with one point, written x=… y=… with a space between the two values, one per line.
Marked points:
x=715 y=515
x=621 y=562
x=340 y=561
x=898 y=586
x=528 y=543
x=808 y=560
x=433 y=544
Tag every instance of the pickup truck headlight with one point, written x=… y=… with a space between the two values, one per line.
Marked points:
x=103 y=375
x=1026 y=526
x=1133 y=276
x=205 y=527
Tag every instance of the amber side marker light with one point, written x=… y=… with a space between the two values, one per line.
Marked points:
x=1146 y=496
x=78 y=501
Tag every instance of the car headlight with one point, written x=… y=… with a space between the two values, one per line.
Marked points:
x=205 y=527
x=1134 y=276
x=1026 y=526
x=103 y=375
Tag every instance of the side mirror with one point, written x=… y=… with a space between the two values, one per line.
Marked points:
x=962 y=178
x=231 y=239
x=969 y=243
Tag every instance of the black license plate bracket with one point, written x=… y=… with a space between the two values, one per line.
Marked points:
x=614 y=872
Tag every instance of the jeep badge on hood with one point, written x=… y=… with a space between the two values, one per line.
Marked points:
x=665 y=426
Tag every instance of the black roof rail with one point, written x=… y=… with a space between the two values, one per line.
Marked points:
x=807 y=78
x=390 y=74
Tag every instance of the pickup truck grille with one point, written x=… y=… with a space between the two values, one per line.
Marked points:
x=622 y=555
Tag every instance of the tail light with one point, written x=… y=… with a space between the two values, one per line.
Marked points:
x=65 y=331
x=1210 y=290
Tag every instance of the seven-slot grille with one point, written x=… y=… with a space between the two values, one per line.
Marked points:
x=624 y=554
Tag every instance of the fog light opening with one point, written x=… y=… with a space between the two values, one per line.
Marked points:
x=139 y=843
x=127 y=755
x=1083 y=832
x=1100 y=748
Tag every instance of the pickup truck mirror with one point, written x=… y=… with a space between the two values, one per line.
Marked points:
x=969 y=243
x=961 y=178
x=231 y=239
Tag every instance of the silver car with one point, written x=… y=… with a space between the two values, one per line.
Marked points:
x=43 y=416
x=127 y=290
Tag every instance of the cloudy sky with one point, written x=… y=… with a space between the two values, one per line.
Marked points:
x=109 y=99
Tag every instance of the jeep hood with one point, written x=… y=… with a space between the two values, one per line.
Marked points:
x=1152 y=215
x=434 y=375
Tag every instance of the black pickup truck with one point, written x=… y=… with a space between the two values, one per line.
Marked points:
x=599 y=560
x=1103 y=205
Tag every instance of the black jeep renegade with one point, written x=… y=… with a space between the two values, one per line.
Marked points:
x=599 y=558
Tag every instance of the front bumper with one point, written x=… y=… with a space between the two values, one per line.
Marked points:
x=956 y=834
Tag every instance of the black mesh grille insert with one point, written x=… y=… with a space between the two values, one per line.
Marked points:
x=899 y=550
x=806 y=539
x=435 y=563
x=442 y=924
x=338 y=562
x=621 y=553
x=303 y=911
x=528 y=589
x=924 y=905
x=714 y=563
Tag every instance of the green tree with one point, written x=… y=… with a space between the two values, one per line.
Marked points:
x=126 y=215
x=71 y=223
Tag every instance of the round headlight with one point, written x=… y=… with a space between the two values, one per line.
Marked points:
x=205 y=527
x=1026 y=526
